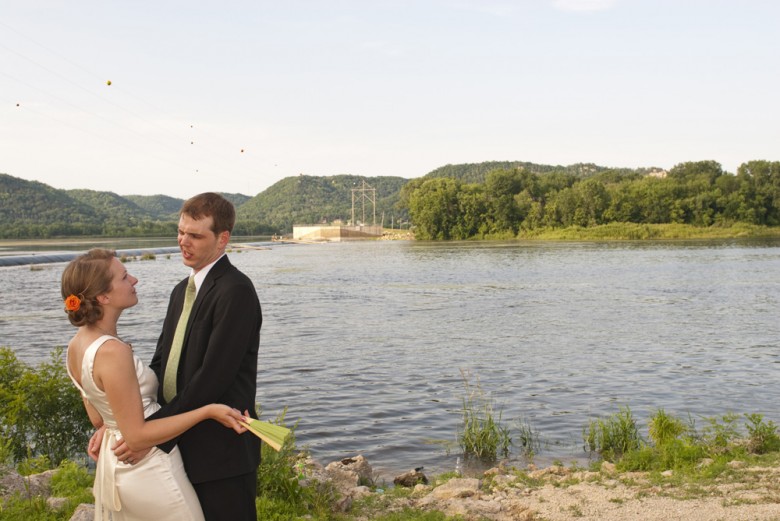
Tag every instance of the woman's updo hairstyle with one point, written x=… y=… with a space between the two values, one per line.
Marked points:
x=86 y=277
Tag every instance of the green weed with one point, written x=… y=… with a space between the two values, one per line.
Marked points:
x=482 y=434
x=614 y=436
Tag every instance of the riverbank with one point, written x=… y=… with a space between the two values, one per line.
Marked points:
x=744 y=491
x=612 y=231
x=633 y=232
x=738 y=490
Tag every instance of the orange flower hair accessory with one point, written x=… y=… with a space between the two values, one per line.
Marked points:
x=72 y=303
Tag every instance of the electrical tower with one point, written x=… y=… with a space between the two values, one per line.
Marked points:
x=364 y=194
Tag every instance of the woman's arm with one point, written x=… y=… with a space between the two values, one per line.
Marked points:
x=94 y=416
x=114 y=370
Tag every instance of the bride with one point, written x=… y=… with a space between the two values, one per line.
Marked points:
x=119 y=391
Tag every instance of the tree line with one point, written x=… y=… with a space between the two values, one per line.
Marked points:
x=514 y=200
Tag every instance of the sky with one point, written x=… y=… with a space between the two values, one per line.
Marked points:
x=178 y=97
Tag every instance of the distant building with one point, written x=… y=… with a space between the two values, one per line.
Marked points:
x=334 y=233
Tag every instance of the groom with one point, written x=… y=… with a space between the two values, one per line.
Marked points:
x=217 y=362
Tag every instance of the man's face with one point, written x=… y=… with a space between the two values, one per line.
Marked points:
x=199 y=245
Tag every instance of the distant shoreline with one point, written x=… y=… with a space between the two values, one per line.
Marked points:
x=604 y=232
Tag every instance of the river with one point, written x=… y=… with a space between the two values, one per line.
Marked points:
x=366 y=343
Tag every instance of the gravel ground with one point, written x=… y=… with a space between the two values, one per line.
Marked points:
x=558 y=493
x=612 y=500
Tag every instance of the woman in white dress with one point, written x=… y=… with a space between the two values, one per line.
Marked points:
x=119 y=391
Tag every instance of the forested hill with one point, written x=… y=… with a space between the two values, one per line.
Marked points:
x=477 y=172
x=29 y=209
x=314 y=199
x=28 y=204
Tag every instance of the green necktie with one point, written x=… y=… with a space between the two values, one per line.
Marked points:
x=172 y=367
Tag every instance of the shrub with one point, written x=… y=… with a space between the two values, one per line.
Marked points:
x=763 y=436
x=42 y=412
x=280 y=489
x=74 y=482
x=719 y=435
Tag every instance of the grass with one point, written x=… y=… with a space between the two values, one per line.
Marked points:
x=614 y=436
x=634 y=231
x=482 y=435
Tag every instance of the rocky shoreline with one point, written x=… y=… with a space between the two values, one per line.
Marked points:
x=506 y=494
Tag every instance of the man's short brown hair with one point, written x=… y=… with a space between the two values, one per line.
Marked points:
x=210 y=204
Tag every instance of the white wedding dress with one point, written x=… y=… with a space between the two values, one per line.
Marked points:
x=155 y=488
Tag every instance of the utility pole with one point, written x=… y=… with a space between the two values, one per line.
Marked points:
x=363 y=194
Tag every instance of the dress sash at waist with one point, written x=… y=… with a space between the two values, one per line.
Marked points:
x=105 y=489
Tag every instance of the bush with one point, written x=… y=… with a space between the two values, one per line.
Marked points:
x=73 y=481
x=41 y=412
x=280 y=486
x=763 y=436
x=718 y=436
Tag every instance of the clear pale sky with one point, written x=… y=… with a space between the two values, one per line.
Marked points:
x=376 y=88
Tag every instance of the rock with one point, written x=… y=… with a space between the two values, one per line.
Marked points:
x=83 y=512
x=554 y=470
x=10 y=482
x=410 y=479
x=40 y=484
x=56 y=503
x=348 y=473
x=491 y=472
x=359 y=492
x=357 y=466
x=503 y=481
x=457 y=488
x=30 y=486
x=421 y=489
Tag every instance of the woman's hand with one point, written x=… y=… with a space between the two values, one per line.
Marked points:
x=227 y=416
x=93 y=448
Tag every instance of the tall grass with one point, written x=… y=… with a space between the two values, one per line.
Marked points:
x=680 y=446
x=483 y=434
x=613 y=436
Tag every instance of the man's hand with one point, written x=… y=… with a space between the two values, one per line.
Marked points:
x=93 y=448
x=125 y=455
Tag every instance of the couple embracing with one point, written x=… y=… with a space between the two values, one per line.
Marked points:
x=171 y=442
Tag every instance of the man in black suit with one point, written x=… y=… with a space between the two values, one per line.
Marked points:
x=217 y=362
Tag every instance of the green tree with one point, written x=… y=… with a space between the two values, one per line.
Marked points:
x=501 y=187
x=434 y=208
x=761 y=187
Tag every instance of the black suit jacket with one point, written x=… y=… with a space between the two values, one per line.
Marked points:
x=218 y=364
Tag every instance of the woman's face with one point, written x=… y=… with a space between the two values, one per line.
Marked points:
x=122 y=293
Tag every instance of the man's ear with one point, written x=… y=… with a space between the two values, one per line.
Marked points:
x=223 y=239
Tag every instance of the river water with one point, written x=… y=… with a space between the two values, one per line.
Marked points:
x=366 y=343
